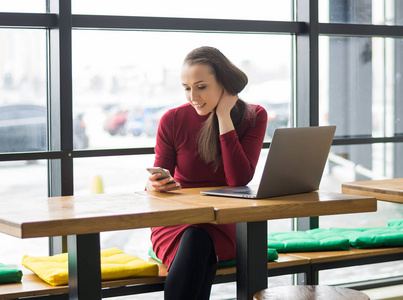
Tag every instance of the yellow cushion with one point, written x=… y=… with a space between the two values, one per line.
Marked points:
x=115 y=264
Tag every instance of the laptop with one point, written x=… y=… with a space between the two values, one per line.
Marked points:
x=294 y=164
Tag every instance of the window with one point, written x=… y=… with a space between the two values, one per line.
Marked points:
x=379 y=12
x=125 y=67
x=121 y=88
x=357 y=76
x=23 y=6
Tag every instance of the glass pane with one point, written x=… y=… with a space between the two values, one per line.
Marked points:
x=124 y=81
x=255 y=10
x=22 y=90
x=361 y=86
x=22 y=179
x=119 y=174
x=363 y=273
x=353 y=163
x=363 y=162
x=23 y=6
x=377 y=12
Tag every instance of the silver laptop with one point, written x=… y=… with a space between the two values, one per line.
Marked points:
x=294 y=164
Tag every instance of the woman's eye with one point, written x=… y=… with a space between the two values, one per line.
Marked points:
x=187 y=89
x=202 y=87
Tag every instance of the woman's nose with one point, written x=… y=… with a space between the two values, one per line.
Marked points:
x=193 y=94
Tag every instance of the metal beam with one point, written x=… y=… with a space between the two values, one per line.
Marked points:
x=360 y=30
x=60 y=120
x=186 y=24
x=26 y=20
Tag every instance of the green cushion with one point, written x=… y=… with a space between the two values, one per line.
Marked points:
x=396 y=223
x=372 y=237
x=271 y=253
x=311 y=240
x=9 y=275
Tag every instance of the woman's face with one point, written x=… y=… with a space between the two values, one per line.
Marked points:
x=201 y=87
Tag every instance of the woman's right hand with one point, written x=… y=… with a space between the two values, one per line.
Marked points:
x=163 y=185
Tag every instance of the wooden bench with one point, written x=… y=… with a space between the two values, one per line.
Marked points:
x=308 y=292
x=326 y=260
x=34 y=287
x=308 y=263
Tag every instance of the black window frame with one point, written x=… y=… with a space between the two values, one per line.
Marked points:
x=59 y=23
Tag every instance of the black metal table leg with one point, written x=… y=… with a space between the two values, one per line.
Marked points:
x=84 y=267
x=251 y=258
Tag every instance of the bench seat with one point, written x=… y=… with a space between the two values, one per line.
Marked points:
x=33 y=286
x=30 y=286
x=340 y=255
x=326 y=260
x=287 y=263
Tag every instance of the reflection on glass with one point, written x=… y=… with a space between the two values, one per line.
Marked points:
x=377 y=12
x=225 y=9
x=13 y=249
x=22 y=90
x=360 y=85
x=23 y=6
x=362 y=274
x=346 y=164
x=124 y=81
x=119 y=174
x=384 y=162
x=362 y=162
x=22 y=179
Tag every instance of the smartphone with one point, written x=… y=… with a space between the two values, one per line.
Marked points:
x=164 y=173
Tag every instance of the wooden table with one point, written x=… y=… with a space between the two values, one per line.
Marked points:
x=82 y=218
x=386 y=189
x=251 y=217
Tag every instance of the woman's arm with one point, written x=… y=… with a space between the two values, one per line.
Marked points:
x=240 y=155
x=223 y=112
x=165 y=157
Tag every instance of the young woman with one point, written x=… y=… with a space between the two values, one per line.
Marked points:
x=214 y=140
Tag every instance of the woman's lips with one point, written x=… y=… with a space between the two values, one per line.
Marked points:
x=199 y=105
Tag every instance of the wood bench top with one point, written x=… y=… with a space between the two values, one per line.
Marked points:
x=309 y=292
x=32 y=285
x=352 y=253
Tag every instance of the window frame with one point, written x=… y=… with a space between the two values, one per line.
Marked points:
x=59 y=23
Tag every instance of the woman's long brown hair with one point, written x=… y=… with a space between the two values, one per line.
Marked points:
x=234 y=81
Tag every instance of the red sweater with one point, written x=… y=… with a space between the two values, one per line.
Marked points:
x=176 y=150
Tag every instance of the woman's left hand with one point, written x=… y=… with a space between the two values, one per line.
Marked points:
x=226 y=103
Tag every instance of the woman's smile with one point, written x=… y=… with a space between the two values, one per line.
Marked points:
x=201 y=87
x=198 y=106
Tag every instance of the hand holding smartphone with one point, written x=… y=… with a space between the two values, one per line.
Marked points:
x=163 y=172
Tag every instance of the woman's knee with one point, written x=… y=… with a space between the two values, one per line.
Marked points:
x=198 y=242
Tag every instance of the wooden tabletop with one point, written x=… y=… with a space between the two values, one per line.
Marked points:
x=54 y=216
x=386 y=190
x=40 y=217
x=230 y=210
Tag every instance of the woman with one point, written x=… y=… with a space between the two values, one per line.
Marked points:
x=214 y=140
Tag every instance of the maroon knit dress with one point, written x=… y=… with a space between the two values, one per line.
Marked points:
x=176 y=150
